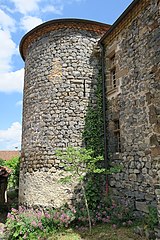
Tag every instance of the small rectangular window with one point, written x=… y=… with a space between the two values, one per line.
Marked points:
x=112 y=61
x=112 y=83
x=113 y=78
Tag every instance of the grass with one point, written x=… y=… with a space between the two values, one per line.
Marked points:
x=101 y=232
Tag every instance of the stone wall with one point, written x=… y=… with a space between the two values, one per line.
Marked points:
x=60 y=74
x=134 y=102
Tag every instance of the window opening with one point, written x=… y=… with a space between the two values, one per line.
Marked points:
x=113 y=78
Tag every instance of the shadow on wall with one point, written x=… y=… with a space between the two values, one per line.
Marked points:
x=93 y=136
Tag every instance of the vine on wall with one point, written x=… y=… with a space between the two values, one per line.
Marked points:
x=93 y=135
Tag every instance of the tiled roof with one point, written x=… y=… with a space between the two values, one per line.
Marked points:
x=56 y=24
x=7 y=155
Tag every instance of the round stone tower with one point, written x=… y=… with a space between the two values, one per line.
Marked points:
x=61 y=69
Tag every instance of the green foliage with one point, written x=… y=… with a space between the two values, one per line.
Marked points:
x=41 y=224
x=93 y=137
x=2 y=162
x=14 y=165
x=93 y=134
x=94 y=189
x=119 y=214
x=79 y=162
x=37 y=224
x=151 y=219
x=26 y=224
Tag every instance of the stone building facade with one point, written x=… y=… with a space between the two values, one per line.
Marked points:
x=61 y=71
x=132 y=66
x=61 y=68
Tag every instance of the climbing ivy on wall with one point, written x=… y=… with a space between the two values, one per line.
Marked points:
x=93 y=137
x=93 y=134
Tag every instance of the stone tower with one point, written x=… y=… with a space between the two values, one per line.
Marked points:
x=61 y=69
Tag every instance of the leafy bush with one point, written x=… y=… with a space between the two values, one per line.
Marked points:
x=107 y=212
x=79 y=162
x=14 y=165
x=40 y=224
x=36 y=224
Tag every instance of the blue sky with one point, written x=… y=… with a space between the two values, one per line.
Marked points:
x=18 y=17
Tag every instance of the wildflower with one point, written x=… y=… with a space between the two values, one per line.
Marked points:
x=113 y=205
x=114 y=226
x=104 y=220
x=21 y=209
x=14 y=210
x=47 y=215
x=40 y=225
x=10 y=216
x=34 y=224
x=39 y=214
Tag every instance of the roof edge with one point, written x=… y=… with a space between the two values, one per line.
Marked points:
x=57 y=21
x=128 y=9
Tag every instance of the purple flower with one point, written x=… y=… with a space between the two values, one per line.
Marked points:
x=21 y=209
x=40 y=225
x=34 y=224
x=39 y=215
x=114 y=226
x=10 y=216
x=47 y=215
x=14 y=210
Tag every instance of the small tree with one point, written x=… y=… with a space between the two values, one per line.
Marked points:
x=79 y=162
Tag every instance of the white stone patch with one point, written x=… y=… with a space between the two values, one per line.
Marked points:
x=56 y=71
x=44 y=189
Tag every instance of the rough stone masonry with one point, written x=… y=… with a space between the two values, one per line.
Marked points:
x=61 y=71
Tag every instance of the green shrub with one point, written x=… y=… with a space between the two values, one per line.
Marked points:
x=37 y=224
x=14 y=165
x=40 y=224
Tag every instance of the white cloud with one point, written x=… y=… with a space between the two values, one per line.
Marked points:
x=8 y=49
x=6 y=23
x=29 y=22
x=12 y=81
x=54 y=9
x=26 y=6
x=11 y=137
